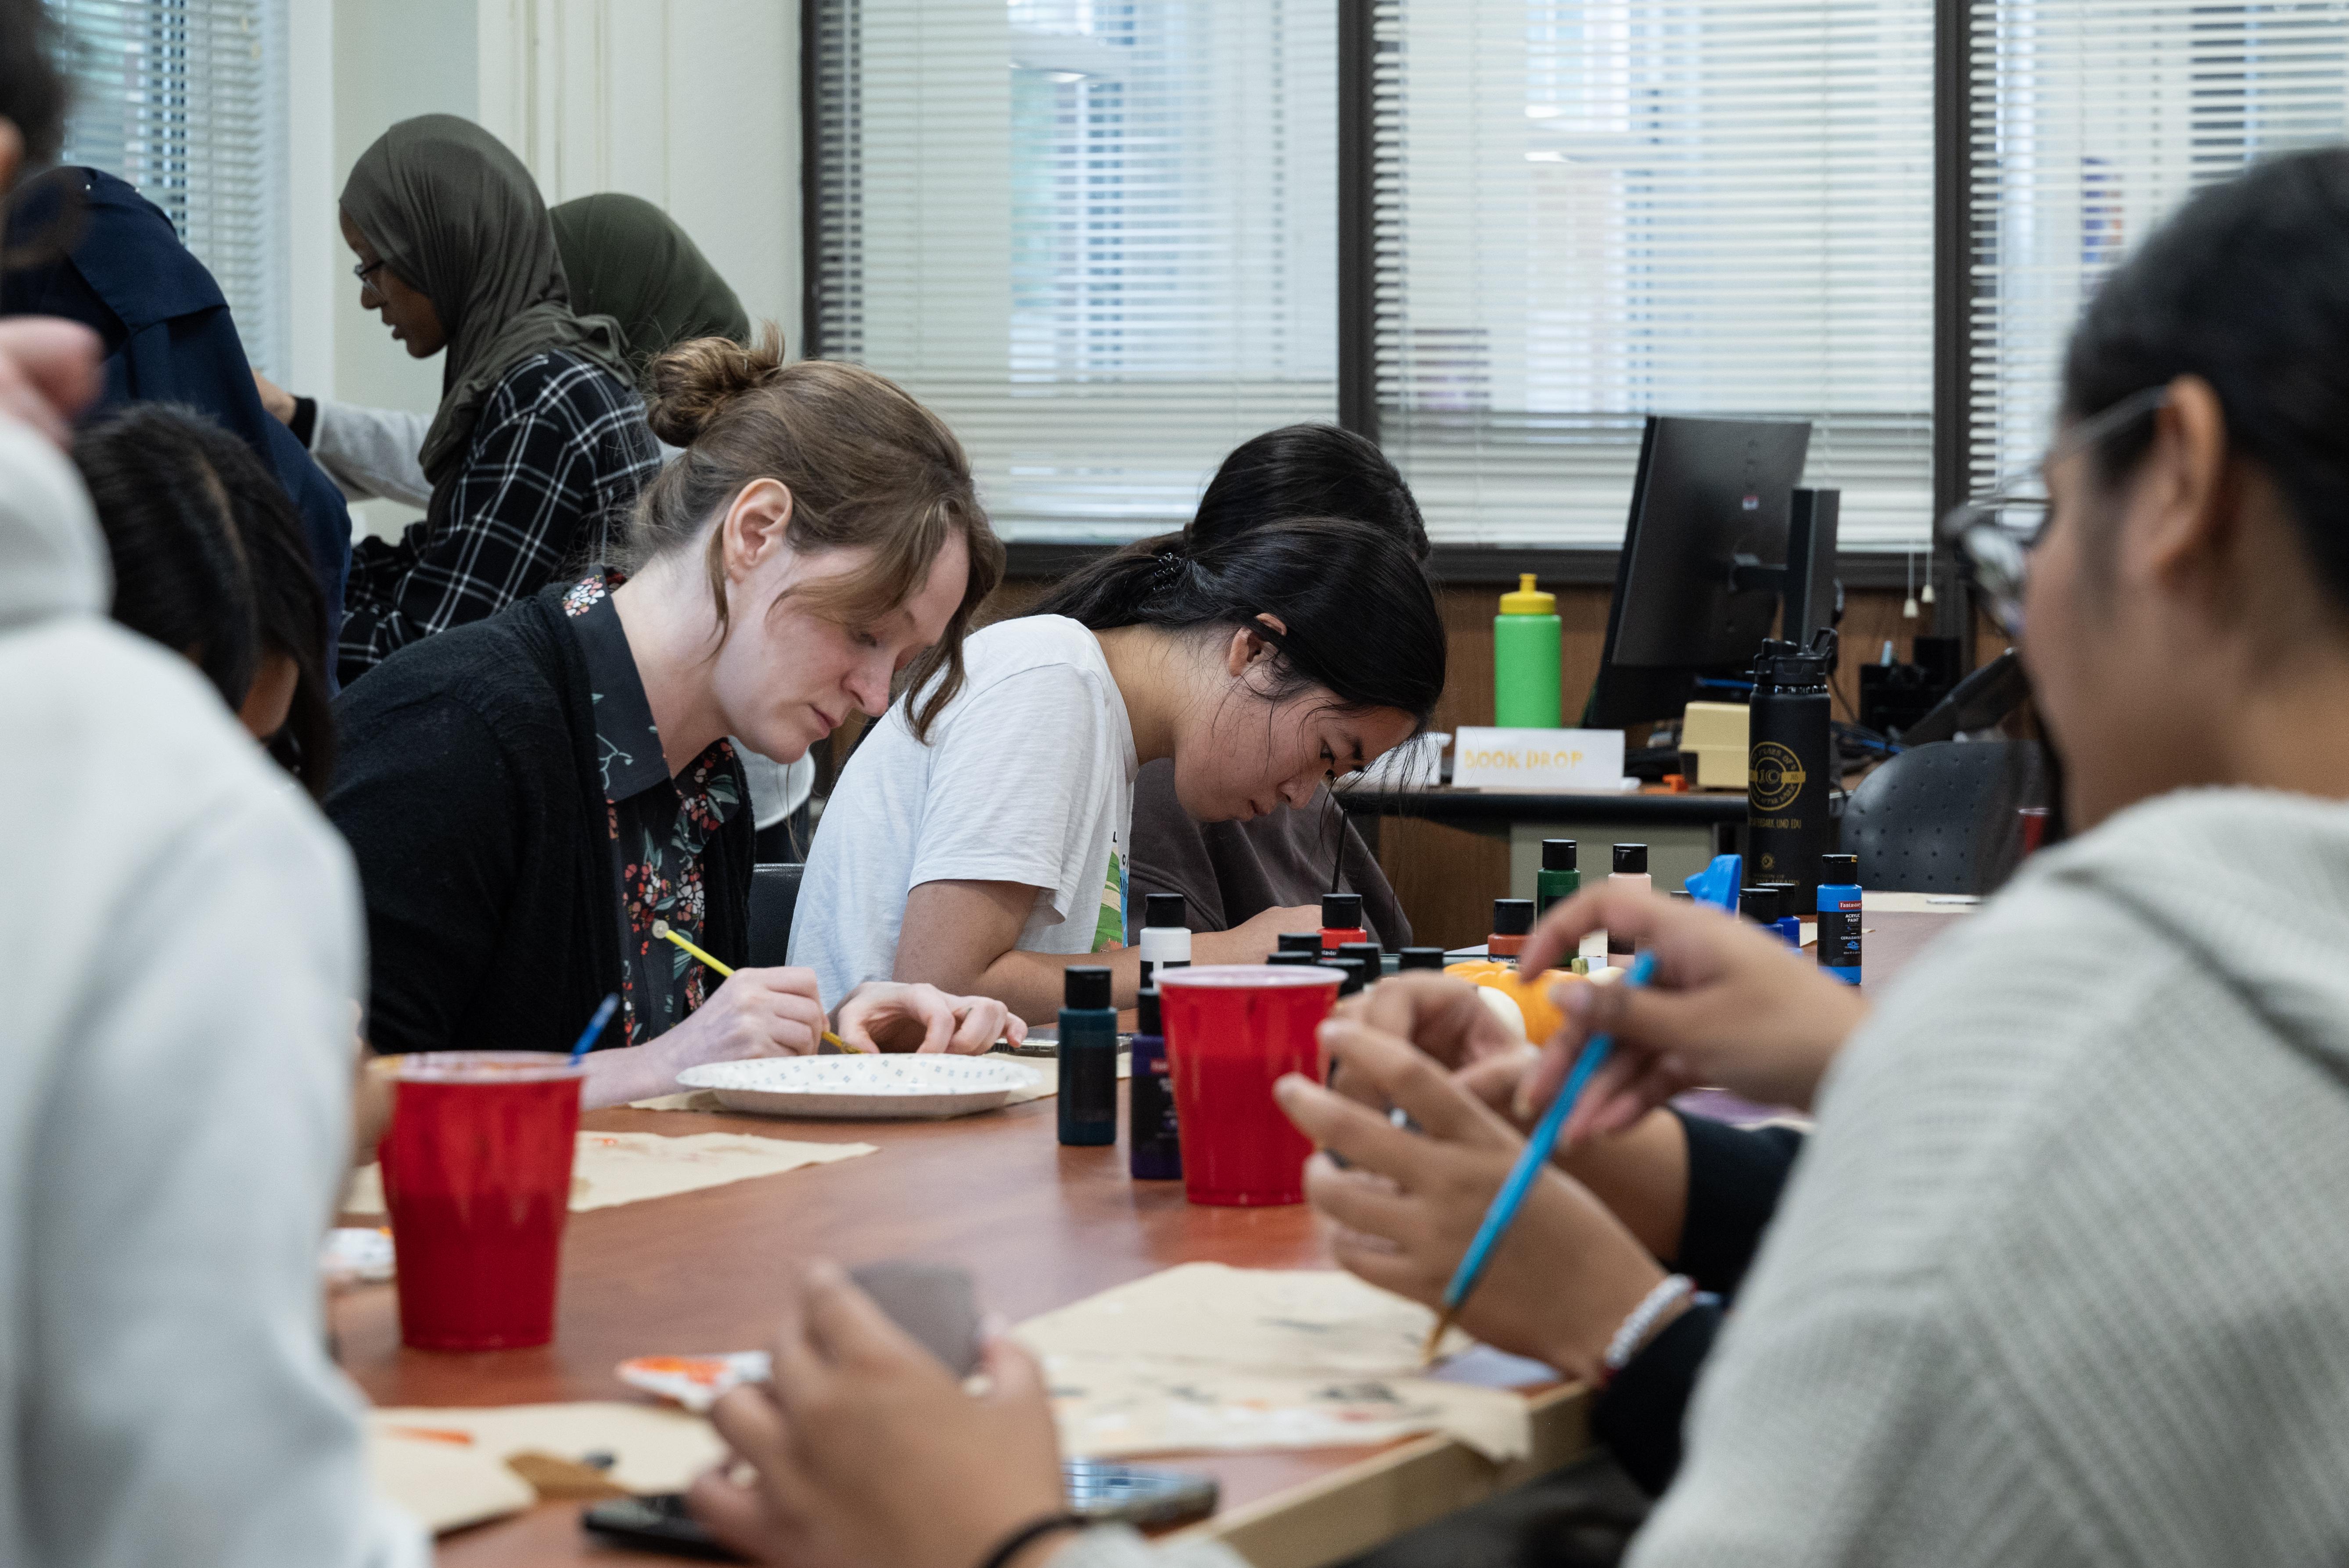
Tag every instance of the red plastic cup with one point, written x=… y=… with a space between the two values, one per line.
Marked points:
x=477 y=1179
x=1231 y=1030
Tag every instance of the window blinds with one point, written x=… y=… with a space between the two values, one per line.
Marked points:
x=185 y=99
x=2089 y=121
x=1098 y=239
x=1589 y=210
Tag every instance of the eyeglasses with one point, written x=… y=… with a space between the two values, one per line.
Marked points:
x=1994 y=535
x=364 y=269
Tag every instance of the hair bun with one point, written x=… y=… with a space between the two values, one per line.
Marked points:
x=691 y=383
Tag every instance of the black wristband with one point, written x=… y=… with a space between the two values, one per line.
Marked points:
x=1027 y=1534
x=305 y=422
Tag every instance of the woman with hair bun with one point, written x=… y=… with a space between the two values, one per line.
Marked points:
x=526 y=796
x=981 y=842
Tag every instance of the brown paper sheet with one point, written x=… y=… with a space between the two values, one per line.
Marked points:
x=1205 y=1357
x=449 y=1467
x=616 y=1168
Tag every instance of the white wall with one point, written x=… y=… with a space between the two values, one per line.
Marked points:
x=691 y=104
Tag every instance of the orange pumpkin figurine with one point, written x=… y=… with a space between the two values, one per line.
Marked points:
x=1541 y=1016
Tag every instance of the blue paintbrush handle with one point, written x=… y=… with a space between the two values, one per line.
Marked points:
x=595 y=1026
x=1511 y=1195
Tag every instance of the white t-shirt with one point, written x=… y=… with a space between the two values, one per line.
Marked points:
x=1028 y=777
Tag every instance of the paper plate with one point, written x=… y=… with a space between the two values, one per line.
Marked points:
x=862 y=1087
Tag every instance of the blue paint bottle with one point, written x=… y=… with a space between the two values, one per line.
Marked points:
x=1839 y=910
x=1765 y=903
x=1088 y=1059
x=1154 y=1151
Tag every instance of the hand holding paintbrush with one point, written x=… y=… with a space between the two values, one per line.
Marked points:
x=661 y=931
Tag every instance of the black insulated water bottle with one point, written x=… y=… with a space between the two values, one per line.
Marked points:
x=1789 y=761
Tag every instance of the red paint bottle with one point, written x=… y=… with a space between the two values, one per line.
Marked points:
x=1342 y=921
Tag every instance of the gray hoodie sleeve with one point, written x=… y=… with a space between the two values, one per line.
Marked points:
x=1118 y=1547
x=372 y=452
x=180 y=1405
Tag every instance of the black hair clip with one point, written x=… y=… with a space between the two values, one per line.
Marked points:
x=1169 y=568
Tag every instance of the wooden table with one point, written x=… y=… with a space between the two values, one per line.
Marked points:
x=1038 y=1226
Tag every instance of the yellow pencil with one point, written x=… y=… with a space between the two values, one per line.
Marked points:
x=661 y=929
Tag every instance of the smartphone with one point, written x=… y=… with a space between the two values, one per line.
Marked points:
x=1141 y=1495
x=1104 y=1492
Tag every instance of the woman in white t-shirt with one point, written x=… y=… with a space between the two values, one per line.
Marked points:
x=980 y=843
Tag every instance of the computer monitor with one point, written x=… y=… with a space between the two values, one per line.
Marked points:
x=1703 y=564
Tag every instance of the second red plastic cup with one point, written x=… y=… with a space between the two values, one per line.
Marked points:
x=477 y=1180
x=1232 y=1030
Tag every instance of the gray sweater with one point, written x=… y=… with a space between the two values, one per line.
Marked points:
x=2063 y=1277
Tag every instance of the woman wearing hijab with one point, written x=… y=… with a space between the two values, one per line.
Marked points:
x=166 y=334
x=625 y=258
x=540 y=442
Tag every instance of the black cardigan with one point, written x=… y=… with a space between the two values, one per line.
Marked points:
x=468 y=790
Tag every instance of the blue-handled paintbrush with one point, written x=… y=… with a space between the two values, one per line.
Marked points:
x=1511 y=1195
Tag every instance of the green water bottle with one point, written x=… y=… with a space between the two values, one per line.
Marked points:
x=1526 y=658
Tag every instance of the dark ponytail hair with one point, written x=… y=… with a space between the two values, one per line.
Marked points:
x=2246 y=286
x=209 y=561
x=1309 y=523
x=1360 y=615
x=1307 y=470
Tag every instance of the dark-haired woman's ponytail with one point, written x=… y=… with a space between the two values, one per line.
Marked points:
x=1357 y=609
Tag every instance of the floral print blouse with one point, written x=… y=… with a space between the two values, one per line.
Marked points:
x=659 y=825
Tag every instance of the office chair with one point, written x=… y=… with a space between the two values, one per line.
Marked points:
x=1941 y=817
x=774 y=894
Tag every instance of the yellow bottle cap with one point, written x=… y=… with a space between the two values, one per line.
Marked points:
x=1529 y=600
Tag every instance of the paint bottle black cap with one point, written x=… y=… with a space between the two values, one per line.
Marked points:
x=1342 y=911
x=1512 y=916
x=1357 y=976
x=1421 y=958
x=1630 y=859
x=1145 y=1012
x=1301 y=960
x=1369 y=953
x=1085 y=988
x=1759 y=903
x=1300 y=942
x=1164 y=909
x=1843 y=869
x=1558 y=854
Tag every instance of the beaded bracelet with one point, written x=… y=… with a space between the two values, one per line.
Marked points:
x=1636 y=1327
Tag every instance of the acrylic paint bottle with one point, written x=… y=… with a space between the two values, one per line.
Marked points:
x=1420 y=958
x=1513 y=918
x=1166 y=933
x=1341 y=920
x=1766 y=904
x=1631 y=867
x=1560 y=878
x=1088 y=1059
x=1300 y=942
x=1153 y=1153
x=1373 y=958
x=1357 y=978
x=1840 y=911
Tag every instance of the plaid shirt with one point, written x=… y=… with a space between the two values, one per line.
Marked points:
x=559 y=453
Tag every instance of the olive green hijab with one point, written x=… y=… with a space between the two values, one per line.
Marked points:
x=454 y=212
x=628 y=260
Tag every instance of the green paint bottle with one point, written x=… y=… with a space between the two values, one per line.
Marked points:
x=1560 y=878
x=1526 y=658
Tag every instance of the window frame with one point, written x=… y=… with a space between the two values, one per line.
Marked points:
x=1357 y=309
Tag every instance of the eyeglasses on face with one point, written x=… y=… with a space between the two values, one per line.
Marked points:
x=365 y=272
x=1994 y=535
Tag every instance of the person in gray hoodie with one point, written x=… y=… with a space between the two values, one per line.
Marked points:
x=180 y=946
x=2061 y=1278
